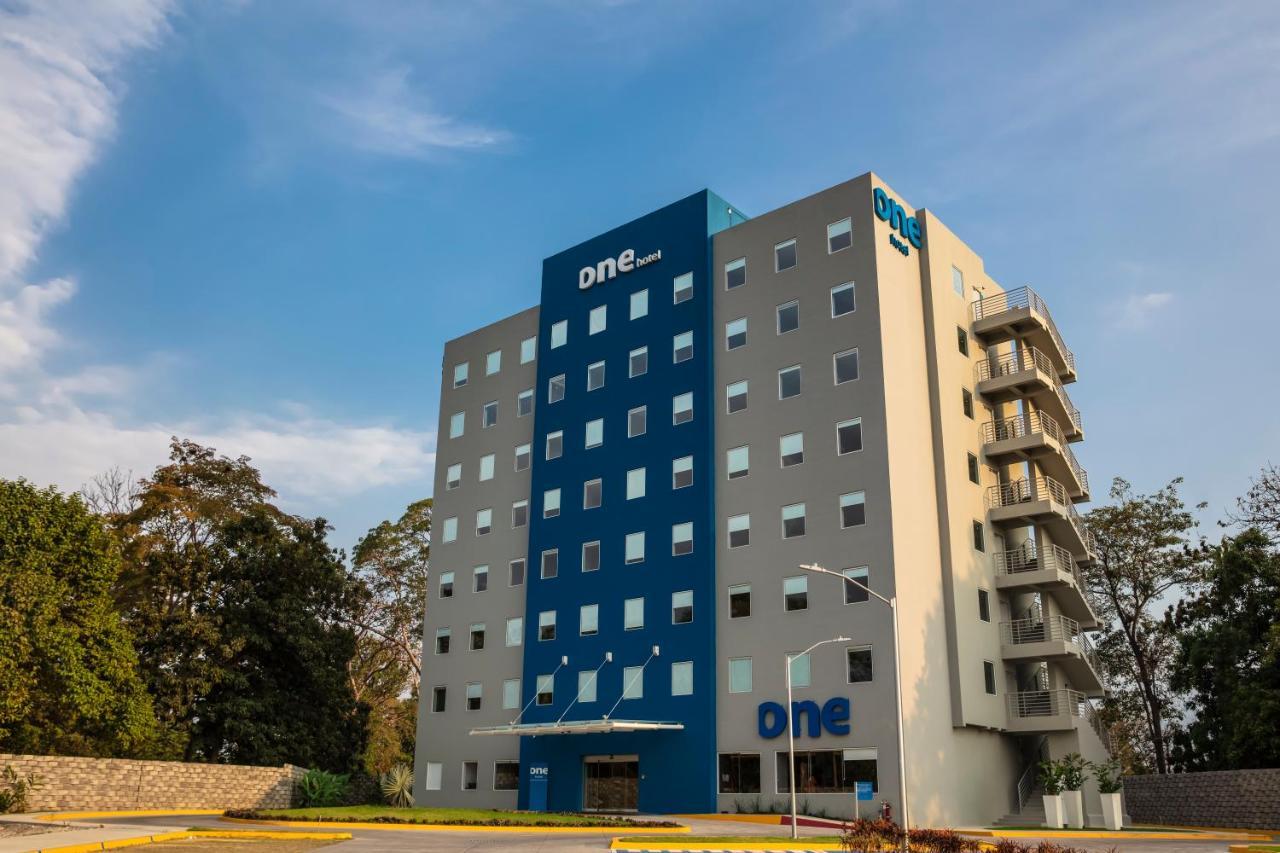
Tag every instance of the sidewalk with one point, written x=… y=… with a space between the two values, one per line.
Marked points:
x=64 y=834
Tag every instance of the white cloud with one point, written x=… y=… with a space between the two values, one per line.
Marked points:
x=1138 y=310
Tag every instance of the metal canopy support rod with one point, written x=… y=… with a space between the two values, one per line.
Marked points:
x=652 y=654
x=608 y=658
x=564 y=661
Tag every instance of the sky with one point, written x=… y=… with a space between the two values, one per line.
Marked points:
x=254 y=223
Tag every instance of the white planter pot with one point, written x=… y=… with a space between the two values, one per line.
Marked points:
x=1073 y=809
x=1112 y=811
x=1053 y=811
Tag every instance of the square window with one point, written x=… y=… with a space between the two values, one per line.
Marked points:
x=443 y=635
x=457 y=424
x=517 y=573
x=795 y=593
x=589 y=620
x=524 y=403
x=793 y=519
x=739 y=530
x=849 y=436
x=967 y=403
x=446 y=584
x=595 y=376
x=559 y=334
x=484 y=522
x=477 y=637
x=439 y=699
x=460 y=372
x=489 y=414
x=470 y=775
x=592 y=494
x=839 y=235
x=788 y=317
x=962 y=340
x=682 y=408
x=791 y=449
x=735 y=396
x=555 y=389
x=515 y=631
x=979 y=537
x=973 y=468
x=550 y=503
x=450 y=532
x=738 y=461
x=735 y=273
x=546 y=689
x=586 y=686
x=846 y=366
x=682 y=472
x=984 y=605
x=555 y=444
x=735 y=333
x=853 y=509
x=989 y=677
x=493 y=362
x=635 y=483
x=784 y=255
x=633 y=682
x=957 y=281
x=637 y=421
x=682 y=347
x=682 y=678
x=453 y=476
x=591 y=556
x=480 y=579
x=639 y=304
x=486 y=467
x=739 y=675
x=682 y=607
x=633 y=614
x=511 y=694
x=801 y=670
x=638 y=362
x=859 y=664
x=682 y=538
x=546 y=625
x=474 y=693
x=506 y=775
x=843 y=300
x=682 y=288
x=634 y=548
x=523 y=453
x=854 y=594
x=789 y=382
x=528 y=349
x=519 y=514
x=740 y=601
x=597 y=319
x=594 y=434
x=739 y=773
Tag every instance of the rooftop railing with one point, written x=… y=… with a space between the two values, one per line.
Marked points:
x=1023 y=297
x=1025 y=359
x=1035 y=423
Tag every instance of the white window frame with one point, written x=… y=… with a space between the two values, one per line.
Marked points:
x=639 y=306
x=852 y=288
x=559 y=334
x=493 y=363
x=740 y=519
x=597 y=320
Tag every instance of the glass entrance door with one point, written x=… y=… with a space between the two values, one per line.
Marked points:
x=611 y=783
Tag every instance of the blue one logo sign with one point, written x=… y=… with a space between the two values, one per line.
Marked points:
x=771 y=717
x=896 y=215
x=610 y=267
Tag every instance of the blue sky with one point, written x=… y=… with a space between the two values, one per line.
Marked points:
x=256 y=223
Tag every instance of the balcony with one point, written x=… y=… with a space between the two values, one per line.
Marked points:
x=1035 y=435
x=1028 y=373
x=1058 y=639
x=1038 y=711
x=1025 y=569
x=1042 y=501
x=1022 y=314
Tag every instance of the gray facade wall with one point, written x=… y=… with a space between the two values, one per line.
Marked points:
x=1234 y=799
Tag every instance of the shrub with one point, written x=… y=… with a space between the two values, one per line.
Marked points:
x=1050 y=777
x=1108 y=775
x=1071 y=770
x=870 y=835
x=941 y=841
x=14 y=789
x=318 y=788
x=397 y=786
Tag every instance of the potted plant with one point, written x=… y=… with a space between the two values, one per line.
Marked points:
x=1051 y=784
x=1108 y=776
x=1071 y=769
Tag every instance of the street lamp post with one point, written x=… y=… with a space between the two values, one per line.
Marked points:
x=897 y=683
x=791 y=737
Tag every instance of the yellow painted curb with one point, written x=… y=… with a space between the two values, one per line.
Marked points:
x=769 y=844
x=1132 y=835
x=449 y=827
x=125 y=813
x=184 y=835
x=767 y=819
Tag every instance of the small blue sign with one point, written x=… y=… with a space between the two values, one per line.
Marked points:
x=538 y=775
x=864 y=790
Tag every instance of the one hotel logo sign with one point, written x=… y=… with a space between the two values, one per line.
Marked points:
x=896 y=215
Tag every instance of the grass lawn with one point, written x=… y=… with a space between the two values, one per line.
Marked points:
x=475 y=817
x=1265 y=848
x=1040 y=827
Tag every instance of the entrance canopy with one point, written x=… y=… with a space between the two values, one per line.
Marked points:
x=578 y=727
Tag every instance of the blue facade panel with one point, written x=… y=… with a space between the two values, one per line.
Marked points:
x=684 y=760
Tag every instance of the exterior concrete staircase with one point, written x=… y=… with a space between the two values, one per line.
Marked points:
x=1032 y=813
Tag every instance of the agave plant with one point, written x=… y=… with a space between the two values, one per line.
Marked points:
x=397 y=786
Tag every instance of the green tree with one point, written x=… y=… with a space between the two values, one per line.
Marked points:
x=1145 y=554
x=1228 y=659
x=69 y=682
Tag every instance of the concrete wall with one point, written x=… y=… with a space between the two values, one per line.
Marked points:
x=114 y=783
x=1244 y=799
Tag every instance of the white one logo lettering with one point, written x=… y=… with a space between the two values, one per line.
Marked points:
x=610 y=267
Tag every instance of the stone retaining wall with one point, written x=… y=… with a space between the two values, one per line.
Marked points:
x=1238 y=799
x=93 y=784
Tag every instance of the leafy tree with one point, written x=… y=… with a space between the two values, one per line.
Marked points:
x=1145 y=554
x=1260 y=507
x=68 y=670
x=1228 y=659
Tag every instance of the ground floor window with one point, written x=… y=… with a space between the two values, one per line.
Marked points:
x=829 y=771
x=739 y=773
x=434 y=771
x=506 y=775
x=470 y=775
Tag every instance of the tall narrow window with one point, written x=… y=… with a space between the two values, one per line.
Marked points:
x=682 y=678
x=594 y=433
x=638 y=362
x=450 y=532
x=592 y=494
x=795 y=593
x=457 y=424
x=740 y=601
x=839 y=235
x=682 y=472
x=546 y=625
x=966 y=403
x=739 y=530
x=633 y=682
x=984 y=605
x=453 y=476
x=439 y=699
x=639 y=304
x=477 y=636
x=791 y=449
x=523 y=453
x=682 y=347
x=682 y=408
x=589 y=620
x=633 y=614
x=586 y=686
x=801 y=671
x=853 y=509
x=735 y=333
x=849 y=436
x=597 y=320
x=788 y=317
x=789 y=382
x=859 y=664
x=973 y=467
x=737 y=461
x=784 y=255
x=853 y=593
x=735 y=396
x=493 y=362
x=515 y=631
x=524 y=403
x=634 y=548
x=528 y=349
x=480 y=579
x=962 y=340
x=793 y=521
x=595 y=376
x=484 y=522
x=545 y=689
x=739 y=675
x=635 y=483
x=555 y=389
x=486 y=467
x=957 y=281
x=460 y=372
x=843 y=300
x=591 y=556
x=510 y=694
x=637 y=421
x=682 y=607
x=443 y=636
x=474 y=694
x=682 y=538
x=683 y=288
x=550 y=563
x=979 y=537
x=446 y=585
x=555 y=444
x=845 y=365
x=989 y=677
x=516 y=572
x=735 y=273
x=559 y=334
x=550 y=503
x=470 y=775
x=489 y=414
